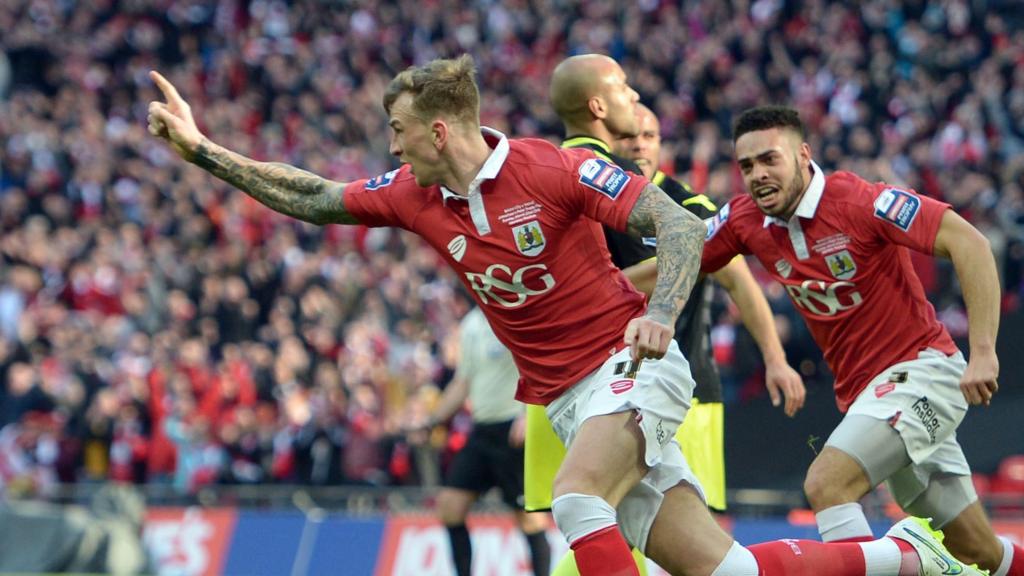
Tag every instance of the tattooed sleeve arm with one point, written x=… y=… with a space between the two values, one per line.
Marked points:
x=281 y=187
x=680 y=237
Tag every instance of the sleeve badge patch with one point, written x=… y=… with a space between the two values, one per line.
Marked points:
x=603 y=176
x=381 y=181
x=897 y=207
x=715 y=223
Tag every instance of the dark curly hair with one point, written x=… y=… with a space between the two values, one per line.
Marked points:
x=766 y=118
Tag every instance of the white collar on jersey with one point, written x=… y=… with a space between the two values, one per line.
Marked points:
x=489 y=171
x=808 y=205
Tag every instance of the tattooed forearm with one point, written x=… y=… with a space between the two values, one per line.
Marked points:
x=281 y=187
x=680 y=236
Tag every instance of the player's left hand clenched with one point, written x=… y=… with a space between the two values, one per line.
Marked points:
x=647 y=337
x=979 y=382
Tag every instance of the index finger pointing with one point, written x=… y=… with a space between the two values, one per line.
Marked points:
x=170 y=92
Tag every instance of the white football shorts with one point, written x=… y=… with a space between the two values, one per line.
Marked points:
x=660 y=397
x=922 y=401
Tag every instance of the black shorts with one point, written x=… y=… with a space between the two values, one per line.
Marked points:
x=487 y=461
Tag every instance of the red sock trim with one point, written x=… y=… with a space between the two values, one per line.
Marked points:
x=604 y=553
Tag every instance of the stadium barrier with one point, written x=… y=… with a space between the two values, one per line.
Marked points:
x=207 y=542
x=299 y=531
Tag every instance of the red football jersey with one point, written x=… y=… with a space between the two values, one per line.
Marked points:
x=523 y=243
x=844 y=260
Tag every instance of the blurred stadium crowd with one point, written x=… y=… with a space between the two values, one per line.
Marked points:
x=157 y=326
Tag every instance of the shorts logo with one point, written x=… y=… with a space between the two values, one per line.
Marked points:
x=457 y=247
x=529 y=238
x=620 y=386
x=898 y=207
x=883 y=389
x=926 y=413
x=381 y=181
x=660 y=432
x=841 y=265
x=603 y=176
x=716 y=222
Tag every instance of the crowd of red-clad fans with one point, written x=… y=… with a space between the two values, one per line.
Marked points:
x=156 y=326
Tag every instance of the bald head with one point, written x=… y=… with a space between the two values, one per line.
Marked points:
x=645 y=147
x=576 y=80
x=590 y=94
x=645 y=115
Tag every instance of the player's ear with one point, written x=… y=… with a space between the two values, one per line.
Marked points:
x=439 y=133
x=805 y=154
x=597 y=106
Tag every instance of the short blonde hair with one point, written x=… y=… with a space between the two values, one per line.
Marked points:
x=439 y=88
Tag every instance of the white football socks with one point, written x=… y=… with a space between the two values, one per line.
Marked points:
x=738 y=561
x=881 y=556
x=843 y=522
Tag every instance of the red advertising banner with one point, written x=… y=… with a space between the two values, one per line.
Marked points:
x=203 y=542
x=418 y=546
x=188 y=541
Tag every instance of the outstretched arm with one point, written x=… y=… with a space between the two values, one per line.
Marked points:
x=281 y=187
x=757 y=316
x=975 y=267
x=680 y=236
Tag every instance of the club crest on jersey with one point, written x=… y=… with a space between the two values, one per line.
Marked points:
x=381 y=181
x=603 y=176
x=529 y=238
x=898 y=207
x=457 y=247
x=841 y=265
